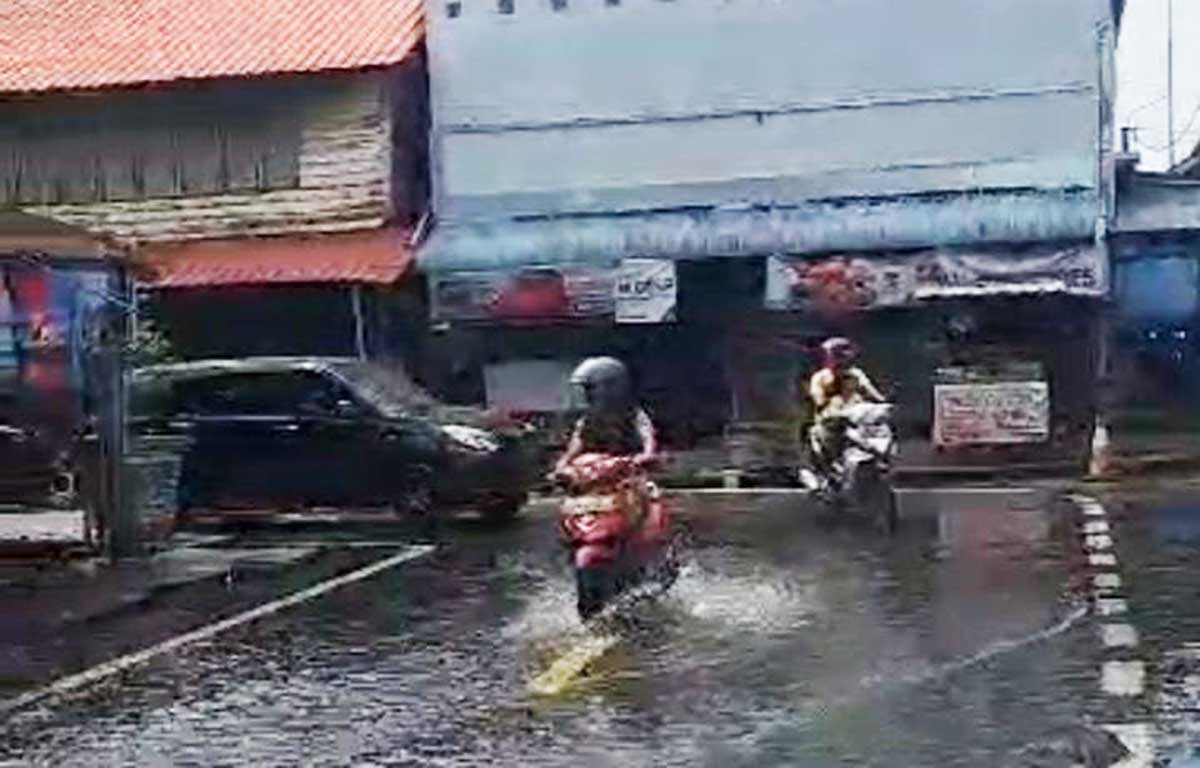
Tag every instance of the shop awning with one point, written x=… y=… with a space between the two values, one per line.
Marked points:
x=378 y=256
x=824 y=227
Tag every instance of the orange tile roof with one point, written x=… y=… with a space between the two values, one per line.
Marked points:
x=50 y=45
x=379 y=256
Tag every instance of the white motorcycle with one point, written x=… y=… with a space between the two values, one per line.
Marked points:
x=859 y=479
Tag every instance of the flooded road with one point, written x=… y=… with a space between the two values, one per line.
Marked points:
x=1156 y=532
x=786 y=641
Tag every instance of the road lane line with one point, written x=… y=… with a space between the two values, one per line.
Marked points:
x=80 y=680
x=1118 y=677
x=1118 y=635
x=1123 y=678
x=1111 y=606
x=1138 y=738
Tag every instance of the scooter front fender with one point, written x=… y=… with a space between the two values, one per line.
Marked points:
x=596 y=555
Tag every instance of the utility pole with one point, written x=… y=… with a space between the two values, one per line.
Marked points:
x=122 y=523
x=1171 y=83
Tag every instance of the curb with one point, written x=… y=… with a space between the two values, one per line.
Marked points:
x=1165 y=462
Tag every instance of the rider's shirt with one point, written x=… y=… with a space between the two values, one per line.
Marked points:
x=620 y=434
x=830 y=390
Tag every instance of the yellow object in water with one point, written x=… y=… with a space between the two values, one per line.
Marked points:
x=570 y=666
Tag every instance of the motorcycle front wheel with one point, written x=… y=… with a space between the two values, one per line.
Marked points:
x=594 y=587
x=877 y=498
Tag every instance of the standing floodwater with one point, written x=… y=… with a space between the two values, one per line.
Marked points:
x=783 y=642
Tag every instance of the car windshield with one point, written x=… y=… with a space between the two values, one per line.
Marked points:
x=389 y=390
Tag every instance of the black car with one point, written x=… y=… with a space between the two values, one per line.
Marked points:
x=316 y=432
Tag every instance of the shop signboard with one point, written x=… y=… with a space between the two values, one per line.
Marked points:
x=528 y=295
x=873 y=282
x=645 y=291
x=991 y=413
x=1078 y=270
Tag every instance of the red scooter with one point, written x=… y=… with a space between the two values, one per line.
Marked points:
x=616 y=526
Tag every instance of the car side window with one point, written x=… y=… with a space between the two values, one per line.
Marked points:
x=286 y=393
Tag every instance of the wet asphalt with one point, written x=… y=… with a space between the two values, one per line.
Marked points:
x=1156 y=538
x=789 y=639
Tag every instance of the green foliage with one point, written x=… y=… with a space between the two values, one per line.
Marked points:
x=150 y=345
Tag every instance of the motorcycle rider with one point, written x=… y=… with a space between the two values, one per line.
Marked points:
x=838 y=384
x=612 y=423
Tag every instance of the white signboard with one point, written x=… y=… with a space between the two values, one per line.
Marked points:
x=645 y=291
x=991 y=414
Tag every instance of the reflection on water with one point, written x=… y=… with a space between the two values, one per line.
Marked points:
x=784 y=642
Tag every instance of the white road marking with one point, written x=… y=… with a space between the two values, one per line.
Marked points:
x=982 y=489
x=1117 y=677
x=120 y=664
x=1111 y=606
x=1087 y=505
x=1138 y=738
x=1118 y=636
x=737 y=492
x=1187 y=652
x=1123 y=678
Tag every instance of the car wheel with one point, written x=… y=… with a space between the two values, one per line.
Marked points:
x=419 y=501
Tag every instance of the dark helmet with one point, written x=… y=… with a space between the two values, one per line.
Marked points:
x=603 y=382
x=838 y=352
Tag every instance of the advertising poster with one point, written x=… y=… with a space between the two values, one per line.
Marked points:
x=528 y=295
x=877 y=281
x=997 y=413
x=646 y=291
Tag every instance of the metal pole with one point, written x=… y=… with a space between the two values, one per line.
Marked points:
x=123 y=523
x=360 y=332
x=1171 y=82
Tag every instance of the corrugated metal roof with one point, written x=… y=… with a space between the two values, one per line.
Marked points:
x=50 y=45
x=378 y=256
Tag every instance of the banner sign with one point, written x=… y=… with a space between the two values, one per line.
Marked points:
x=1001 y=413
x=534 y=294
x=645 y=291
x=839 y=282
x=861 y=283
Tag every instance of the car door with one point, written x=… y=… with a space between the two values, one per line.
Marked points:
x=247 y=438
x=395 y=453
x=338 y=431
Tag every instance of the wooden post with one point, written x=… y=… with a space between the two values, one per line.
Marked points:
x=360 y=331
